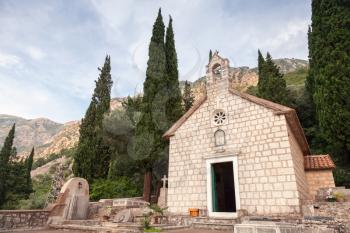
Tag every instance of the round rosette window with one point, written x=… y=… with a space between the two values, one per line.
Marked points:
x=220 y=117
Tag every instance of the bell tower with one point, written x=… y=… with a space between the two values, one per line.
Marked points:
x=217 y=76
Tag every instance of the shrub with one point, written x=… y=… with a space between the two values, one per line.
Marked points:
x=117 y=188
x=37 y=199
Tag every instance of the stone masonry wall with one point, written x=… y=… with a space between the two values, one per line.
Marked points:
x=298 y=159
x=319 y=179
x=13 y=219
x=259 y=139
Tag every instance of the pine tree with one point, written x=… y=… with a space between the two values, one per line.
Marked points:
x=272 y=85
x=173 y=105
x=5 y=155
x=29 y=164
x=210 y=55
x=92 y=157
x=149 y=144
x=329 y=78
x=188 y=98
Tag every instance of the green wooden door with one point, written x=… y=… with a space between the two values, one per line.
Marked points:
x=213 y=189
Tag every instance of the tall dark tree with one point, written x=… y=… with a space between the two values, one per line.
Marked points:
x=272 y=86
x=210 y=55
x=92 y=157
x=149 y=144
x=83 y=157
x=173 y=105
x=102 y=95
x=5 y=156
x=29 y=164
x=262 y=74
x=187 y=97
x=329 y=78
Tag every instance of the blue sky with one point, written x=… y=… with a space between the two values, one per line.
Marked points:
x=50 y=49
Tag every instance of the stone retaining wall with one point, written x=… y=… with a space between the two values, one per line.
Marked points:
x=12 y=219
x=340 y=211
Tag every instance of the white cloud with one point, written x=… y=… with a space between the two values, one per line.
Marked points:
x=35 y=53
x=56 y=52
x=7 y=60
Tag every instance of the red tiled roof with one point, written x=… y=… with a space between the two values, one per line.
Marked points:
x=318 y=162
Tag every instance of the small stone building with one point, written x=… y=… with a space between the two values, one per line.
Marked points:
x=235 y=151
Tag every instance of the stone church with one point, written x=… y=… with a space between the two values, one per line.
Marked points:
x=233 y=151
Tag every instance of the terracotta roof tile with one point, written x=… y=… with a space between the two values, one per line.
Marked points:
x=318 y=162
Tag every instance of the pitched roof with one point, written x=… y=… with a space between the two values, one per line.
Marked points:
x=290 y=114
x=318 y=162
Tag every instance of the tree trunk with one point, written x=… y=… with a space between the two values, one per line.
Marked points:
x=147 y=186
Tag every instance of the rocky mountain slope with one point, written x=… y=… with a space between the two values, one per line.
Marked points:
x=45 y=135
x=50 y=137
x=243 y=77
x=36 y=132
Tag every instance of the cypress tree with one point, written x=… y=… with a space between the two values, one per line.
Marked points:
x=210 y=55
x=188 y=98
x=329 y=78
x=102 y=95
x=173 y=105
x=149 y=144
x=29 y=164
x=5 y=155
x=92 y=157
x=262 y=76
x=272 y=85
x=83 y=157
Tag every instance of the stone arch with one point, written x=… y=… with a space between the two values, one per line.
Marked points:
x=217 y=70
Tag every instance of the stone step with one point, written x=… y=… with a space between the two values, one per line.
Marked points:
x=213 y=226
x=97 y=229
x=215 y=220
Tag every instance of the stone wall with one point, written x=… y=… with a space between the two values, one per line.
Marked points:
x=340 y=211
x=13 y=219
x=298 y=160
x=319 y=179
x=256 y=136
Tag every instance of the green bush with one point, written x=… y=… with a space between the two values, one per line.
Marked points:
x=37 y=199
x=342 y=176
x=117 y=188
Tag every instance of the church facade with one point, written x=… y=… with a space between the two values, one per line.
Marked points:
x=233 y=151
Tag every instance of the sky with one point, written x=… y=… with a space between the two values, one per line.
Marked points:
x=50 y=49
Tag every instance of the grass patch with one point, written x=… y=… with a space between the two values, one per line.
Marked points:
x=296 y=78
x=152 y=229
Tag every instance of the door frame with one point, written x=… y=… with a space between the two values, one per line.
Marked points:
x=209 y=162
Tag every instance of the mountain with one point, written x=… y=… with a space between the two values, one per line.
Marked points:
x=287 y=65
x=29 y=133
x=243 y=77
x=45 y=135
